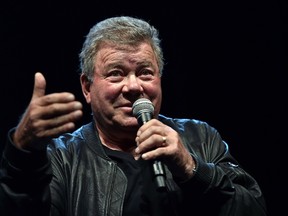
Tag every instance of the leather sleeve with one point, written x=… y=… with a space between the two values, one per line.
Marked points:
x=24 y=177
x=219 y=186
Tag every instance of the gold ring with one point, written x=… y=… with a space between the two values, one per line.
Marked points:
x=164 y=139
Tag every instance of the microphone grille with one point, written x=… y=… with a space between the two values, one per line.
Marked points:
x=142 y=105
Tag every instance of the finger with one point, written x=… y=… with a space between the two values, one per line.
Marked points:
x=39 y=85
x=57 y=122
x=153 y=142
x=57 y=98
x=58 y=109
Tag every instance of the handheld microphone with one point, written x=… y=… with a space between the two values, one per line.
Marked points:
x=143 y=110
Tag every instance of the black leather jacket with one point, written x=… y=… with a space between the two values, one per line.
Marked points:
x=86 y=182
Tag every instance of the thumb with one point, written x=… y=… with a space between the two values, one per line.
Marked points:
x=39 y=85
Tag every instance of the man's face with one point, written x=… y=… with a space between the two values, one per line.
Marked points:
x=122 y=75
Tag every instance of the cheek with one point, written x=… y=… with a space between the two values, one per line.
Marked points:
x=155 y=93
x=110 y=91
x=101 y=93
x=154 y=89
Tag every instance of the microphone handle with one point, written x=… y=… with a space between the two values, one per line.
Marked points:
x=159 y=174
x=158 y=168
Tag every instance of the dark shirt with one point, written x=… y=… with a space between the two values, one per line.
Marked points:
x=142 y=197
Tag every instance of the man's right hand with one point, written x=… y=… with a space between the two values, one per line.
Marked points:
x=46 y=116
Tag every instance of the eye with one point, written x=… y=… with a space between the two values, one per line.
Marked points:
x=146 y=74
x=115 y=73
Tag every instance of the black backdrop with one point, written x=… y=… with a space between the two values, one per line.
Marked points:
x=225 y=64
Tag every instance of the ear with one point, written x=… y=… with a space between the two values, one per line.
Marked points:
x=85 y=85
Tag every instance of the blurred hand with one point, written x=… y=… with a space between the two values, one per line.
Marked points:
x=46 y=116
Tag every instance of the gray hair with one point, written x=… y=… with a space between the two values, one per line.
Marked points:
x=122 y=30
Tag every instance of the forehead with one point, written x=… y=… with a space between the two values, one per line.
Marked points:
x=116 y=52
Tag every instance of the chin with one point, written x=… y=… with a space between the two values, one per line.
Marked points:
x=125 y=120
x=132 y=123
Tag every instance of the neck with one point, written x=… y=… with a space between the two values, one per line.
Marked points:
x=124 y=147
x=117 y=142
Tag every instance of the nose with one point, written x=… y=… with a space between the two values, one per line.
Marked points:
x=132 y=84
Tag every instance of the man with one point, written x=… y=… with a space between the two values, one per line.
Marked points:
x=111 y=165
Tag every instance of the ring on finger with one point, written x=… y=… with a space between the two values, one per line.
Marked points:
x=164 y=140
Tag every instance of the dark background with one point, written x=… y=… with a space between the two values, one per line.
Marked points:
x=226 y=64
